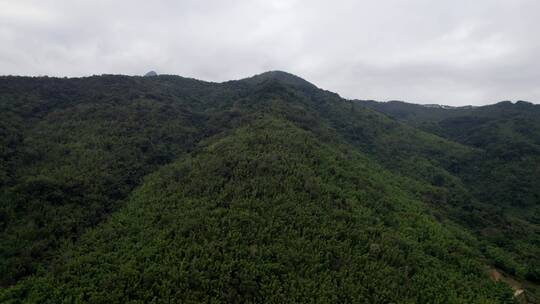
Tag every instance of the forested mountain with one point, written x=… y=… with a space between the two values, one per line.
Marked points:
x=163 y=189
x=504 y=174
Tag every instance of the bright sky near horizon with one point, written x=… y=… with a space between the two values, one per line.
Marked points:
x=448 y=52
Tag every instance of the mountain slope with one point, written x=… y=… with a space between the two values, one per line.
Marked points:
x=504 y=175
x=269 y=213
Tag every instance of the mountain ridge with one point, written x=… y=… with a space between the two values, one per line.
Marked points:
x=276 y=75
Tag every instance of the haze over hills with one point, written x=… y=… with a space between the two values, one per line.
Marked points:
x=265 y=189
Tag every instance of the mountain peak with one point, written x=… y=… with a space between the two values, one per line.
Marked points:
x=150 y=74
x=280 y=76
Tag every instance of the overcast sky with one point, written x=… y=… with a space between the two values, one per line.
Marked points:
x=450 y=52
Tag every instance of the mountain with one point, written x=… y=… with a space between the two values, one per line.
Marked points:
x=265 y=189
x=507 y=136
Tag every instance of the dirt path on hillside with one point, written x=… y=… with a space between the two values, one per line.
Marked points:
x=498 y=275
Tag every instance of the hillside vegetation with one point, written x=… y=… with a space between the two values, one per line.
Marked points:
x=117 y=189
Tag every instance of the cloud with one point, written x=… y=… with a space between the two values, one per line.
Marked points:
x=450 y=52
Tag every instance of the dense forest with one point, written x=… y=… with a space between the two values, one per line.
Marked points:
x=164 y=189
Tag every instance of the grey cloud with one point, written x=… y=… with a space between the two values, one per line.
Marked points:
x=451 y=52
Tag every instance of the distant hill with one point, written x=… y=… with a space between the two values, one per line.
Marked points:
x=507 y=133
x=150 y=74
x=265 y=189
